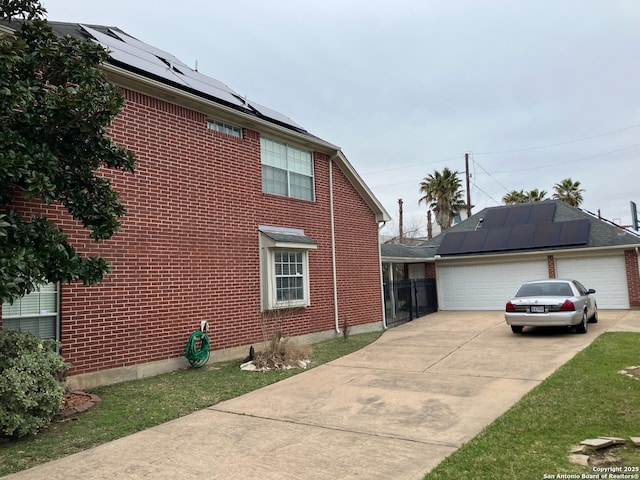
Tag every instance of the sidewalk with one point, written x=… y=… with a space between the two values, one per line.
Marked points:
x=392 y=410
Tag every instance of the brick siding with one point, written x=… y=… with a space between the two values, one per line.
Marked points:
x=189 y=246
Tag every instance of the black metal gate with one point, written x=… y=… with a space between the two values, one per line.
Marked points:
x=409 y=299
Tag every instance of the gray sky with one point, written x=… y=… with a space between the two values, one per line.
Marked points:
x=535 y=92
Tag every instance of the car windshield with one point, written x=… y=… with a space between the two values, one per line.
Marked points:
x=550 y=289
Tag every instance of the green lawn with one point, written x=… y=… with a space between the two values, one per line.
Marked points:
x=585 y=398
x=132 y=406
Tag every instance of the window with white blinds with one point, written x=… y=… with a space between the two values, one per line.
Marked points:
x=37 y=312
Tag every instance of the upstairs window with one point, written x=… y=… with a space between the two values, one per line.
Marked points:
x=224 y=128
x=286 y=170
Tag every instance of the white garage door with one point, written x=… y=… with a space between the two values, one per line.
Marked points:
x=484 y=287
x=607 y=275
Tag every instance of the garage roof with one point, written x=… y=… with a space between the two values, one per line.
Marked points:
x=538 y=226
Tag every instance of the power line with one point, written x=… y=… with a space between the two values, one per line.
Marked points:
x=572 y=161
x=475 y=185
x=396 y=184
x=457 y=157
x=499 y=152
x=549 y=145
x=487 y=172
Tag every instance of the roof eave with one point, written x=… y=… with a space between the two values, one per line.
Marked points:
x=361 y=187
x=387 y=259
x=554 y=252
x=128 y=79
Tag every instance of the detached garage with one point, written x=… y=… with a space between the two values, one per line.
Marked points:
x=479 y=263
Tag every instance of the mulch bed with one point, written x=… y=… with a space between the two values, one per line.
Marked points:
x=74 y=402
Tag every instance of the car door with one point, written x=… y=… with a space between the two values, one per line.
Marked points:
x=584 y=294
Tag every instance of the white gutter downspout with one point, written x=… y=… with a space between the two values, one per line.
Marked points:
x=333 y=250
x=384 y=306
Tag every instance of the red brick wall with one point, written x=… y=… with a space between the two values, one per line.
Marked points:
x=551 y=265
x=430 y=270
x=358 y=261
x=633 y=278
x=189 y=246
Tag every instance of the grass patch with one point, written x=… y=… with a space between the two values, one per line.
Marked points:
x=585 y=398
x=136 y=405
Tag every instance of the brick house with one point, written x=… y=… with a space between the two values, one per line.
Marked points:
x=235 y=215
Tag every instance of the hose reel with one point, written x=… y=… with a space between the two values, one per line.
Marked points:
x=197 y=350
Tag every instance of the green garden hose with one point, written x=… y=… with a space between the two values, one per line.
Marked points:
x=197 y=356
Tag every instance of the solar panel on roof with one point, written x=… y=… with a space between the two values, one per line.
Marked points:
x=497 y=239
x=196 y=81
x=546 y=235
x=495 y=217
x=542 y=212
x=137 y=54
x=134 y=57
x=574 y=232
x=474 y=241
x=451 y=243
x=128 y=39
x=521 y=237
x=272 y=114
x=517 y=216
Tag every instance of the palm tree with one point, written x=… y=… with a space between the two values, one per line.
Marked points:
x=443 y=194
x=568 y=191
x=536 y=195
x=514 y=196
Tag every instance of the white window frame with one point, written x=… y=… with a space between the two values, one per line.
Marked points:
x=21 y=315
x=269 y=275
x=290 y=163
x=225 y=128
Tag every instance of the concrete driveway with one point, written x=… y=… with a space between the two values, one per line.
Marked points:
x=394 y=409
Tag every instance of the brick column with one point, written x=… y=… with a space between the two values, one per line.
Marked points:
x=551 y=266
x=633 y=277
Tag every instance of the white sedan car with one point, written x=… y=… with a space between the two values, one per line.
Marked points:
x=552 y=303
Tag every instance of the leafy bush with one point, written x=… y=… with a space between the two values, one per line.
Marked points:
x=31 y=388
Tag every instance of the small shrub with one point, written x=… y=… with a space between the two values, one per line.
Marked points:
x=31 y=387
x=281 y=353
x=346 y=329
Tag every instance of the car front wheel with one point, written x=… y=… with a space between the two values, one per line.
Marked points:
x=594 y=318
x=516 y=328
x=582 y=326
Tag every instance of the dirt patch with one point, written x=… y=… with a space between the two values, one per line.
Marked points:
x=604 y=458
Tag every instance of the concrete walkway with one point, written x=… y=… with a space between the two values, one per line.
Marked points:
x=392 y=410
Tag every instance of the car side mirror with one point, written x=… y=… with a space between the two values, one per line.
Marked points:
x=591 y=290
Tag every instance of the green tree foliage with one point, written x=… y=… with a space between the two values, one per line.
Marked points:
x=520 y=196
x=569 y=192
x=442 y=191
x=514 y=196
x=536 y=195
x=55 y=107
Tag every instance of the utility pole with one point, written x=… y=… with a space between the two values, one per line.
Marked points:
x=400 y=222
x=466 y=167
